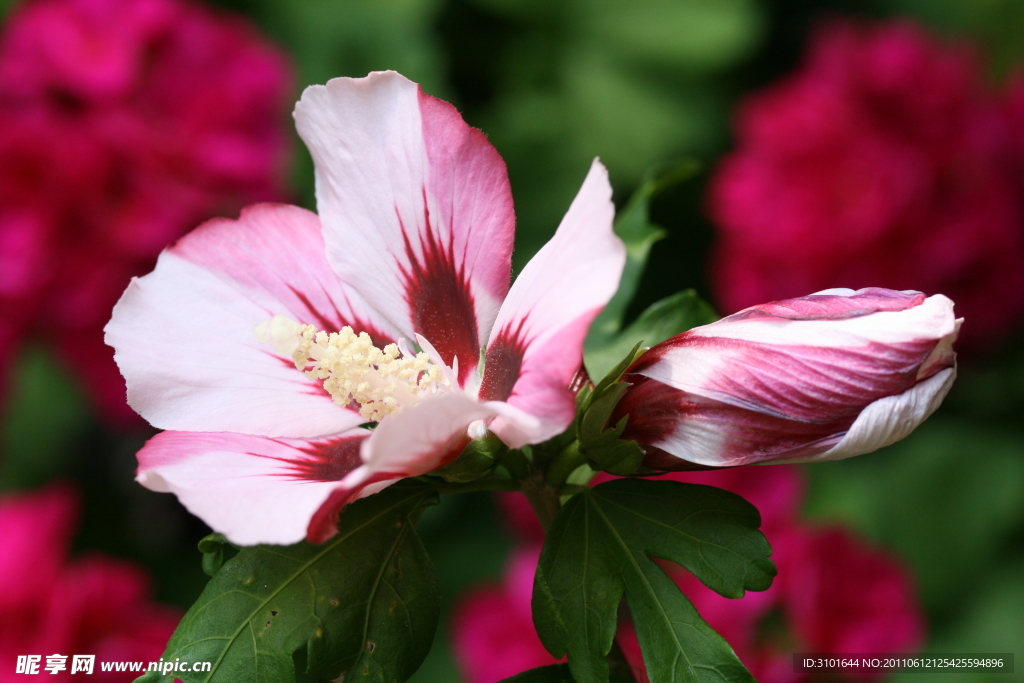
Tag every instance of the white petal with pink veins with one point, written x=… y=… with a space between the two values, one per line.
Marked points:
x=183 y=335
x=416 y=206
x=892 y=418
x=251 y=489
x=537 y=345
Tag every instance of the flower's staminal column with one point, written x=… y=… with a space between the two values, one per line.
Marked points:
x=352 y=369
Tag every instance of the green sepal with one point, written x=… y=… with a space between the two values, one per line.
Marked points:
x=616 y=372
x=216 y=550
x=601 y=445
x=600 y=548
x=517 y=462
x=363 y=605
x=608 y=453
x=594 y=421
x=478 y=459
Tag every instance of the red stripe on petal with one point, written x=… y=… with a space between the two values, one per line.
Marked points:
x=328 y=460
x=439 y=297
x=675 y=426
x=811 y=383
x=503 y=362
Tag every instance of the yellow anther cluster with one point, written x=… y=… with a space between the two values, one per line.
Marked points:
x=354 y=370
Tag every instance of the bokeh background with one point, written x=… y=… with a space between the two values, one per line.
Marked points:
x=842 y=143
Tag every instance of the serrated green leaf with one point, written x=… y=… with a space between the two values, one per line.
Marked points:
x=633 y=226
x=600 y=547
x=556 y=673
x=663 y=319
x=364 y=604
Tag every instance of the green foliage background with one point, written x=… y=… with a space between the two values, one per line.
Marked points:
x=555 y=83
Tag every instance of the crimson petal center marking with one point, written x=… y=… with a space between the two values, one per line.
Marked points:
x=441 y=304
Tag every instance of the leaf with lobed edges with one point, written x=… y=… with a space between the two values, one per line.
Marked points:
x=600 y=547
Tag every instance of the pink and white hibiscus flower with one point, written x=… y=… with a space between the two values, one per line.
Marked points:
x=822 y=377
x=263 y=344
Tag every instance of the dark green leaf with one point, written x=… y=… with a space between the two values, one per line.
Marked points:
x=634 y=227
x=364 y=603
x=663 y=319
x=600 y=547
x=556 y=673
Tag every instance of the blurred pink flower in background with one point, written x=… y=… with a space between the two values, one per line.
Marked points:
x=89 y=605
x=123 y=124
x=834 y=593
x=883 y=161
x=1014 y=98
x=492 y=627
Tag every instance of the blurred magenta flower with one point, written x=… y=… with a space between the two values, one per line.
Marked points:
x=883 y=161
x=492 y=625
x=123 y=123
x=822 y=377
x=88 y=605
x=263 y=344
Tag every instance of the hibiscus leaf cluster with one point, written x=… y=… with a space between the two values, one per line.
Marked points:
x=323 y=377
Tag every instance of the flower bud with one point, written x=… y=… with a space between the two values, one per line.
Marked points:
x=822 y=377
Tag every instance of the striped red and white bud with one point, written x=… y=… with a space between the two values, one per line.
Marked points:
x=822 y=377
